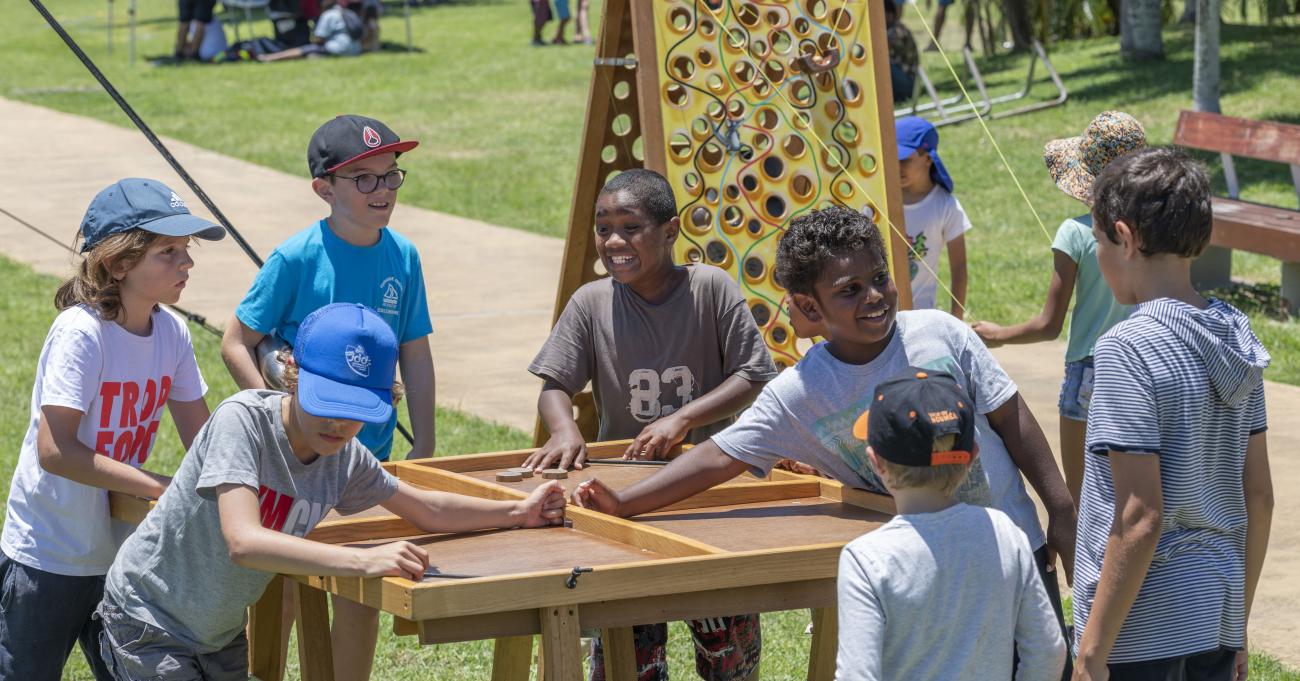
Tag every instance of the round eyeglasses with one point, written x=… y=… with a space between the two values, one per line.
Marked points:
x=369 y=182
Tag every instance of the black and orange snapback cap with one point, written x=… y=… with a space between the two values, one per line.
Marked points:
x=908 y=414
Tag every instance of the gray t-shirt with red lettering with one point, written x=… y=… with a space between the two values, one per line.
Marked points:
x=175 y=572
x=647 y=361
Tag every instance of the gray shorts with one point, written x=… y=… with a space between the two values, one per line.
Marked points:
x=136 y=651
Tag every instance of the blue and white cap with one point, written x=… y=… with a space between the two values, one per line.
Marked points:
x=135 y=203
x=346 y=356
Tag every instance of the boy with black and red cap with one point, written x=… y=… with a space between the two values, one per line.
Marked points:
x=350 y=256
x=938 y=555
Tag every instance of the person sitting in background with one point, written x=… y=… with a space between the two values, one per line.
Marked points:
x=338 y=33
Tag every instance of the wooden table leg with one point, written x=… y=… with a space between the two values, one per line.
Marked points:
x=560 y=643
x=620 y=654
x=312 y=615
x=512 y=658
x=265 y=629
x=825 y=644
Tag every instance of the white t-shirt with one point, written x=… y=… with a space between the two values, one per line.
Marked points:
x=121 y=382
x=931 y=223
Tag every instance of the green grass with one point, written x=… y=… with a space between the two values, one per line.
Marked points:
x=501 y=123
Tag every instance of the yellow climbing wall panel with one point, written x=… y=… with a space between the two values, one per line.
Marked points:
x=769 y=110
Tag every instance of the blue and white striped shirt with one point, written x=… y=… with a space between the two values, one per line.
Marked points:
x=1187 y=385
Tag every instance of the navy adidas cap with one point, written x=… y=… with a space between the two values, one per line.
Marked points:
x=346 y=356
x=135 y=203
x=344 y=139
x=908 y=414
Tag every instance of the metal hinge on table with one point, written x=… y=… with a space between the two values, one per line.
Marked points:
x=615 y=61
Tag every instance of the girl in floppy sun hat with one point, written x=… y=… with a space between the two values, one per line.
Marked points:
x=1073 y=163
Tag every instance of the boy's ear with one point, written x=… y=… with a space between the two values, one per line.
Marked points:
x=808 y=306
x=672 y=228
x=1127 y=240
x=323 y=188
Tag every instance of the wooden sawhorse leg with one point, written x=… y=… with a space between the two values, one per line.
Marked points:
x=265 y=630
x=825 y=644
x=561 y=650
x=312 y=616
x=512 y=658
x=620 y=654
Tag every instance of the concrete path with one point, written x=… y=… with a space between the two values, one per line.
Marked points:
x=491 y=292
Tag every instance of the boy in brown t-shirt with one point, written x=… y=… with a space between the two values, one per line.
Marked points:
x=672 y=353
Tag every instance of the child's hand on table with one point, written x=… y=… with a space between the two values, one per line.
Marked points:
x=658 y=438
x=395 y=559
x=597 y=496
x=565 y=450
x=545 y=506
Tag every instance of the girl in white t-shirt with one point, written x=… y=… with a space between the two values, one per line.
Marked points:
x=113 y=359
x=932 y=215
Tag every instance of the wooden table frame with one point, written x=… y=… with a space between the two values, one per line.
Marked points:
x=688 y=579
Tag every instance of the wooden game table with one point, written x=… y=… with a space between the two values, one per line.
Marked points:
x=749 y=545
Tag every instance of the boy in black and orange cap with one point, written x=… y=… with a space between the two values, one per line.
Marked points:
x=938 y=555
x=350 y=256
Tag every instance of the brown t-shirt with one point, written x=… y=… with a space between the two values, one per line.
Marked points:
x=647 y=361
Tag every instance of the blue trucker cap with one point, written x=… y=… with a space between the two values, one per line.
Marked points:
x=914 y=133
x=135 y=203
x=346 y=356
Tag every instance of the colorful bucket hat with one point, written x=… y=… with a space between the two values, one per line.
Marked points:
x=1074 y=162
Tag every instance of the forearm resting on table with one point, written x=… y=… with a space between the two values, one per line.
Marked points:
x=555 y=405
x=732 y=395
x=61 y=453
x=255 y=547
x=698 y=469
x=446 y=512
x=239 y=352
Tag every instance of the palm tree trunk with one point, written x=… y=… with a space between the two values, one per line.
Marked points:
x=1205 y=64
x=1140 y=24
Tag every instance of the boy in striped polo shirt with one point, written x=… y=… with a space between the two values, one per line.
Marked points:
x=1177 y=499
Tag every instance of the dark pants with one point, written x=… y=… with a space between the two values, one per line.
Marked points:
x=1053 y=595
x=42 y=615
x=726 y=649
x=1215 y=665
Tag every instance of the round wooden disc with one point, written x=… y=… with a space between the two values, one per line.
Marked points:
x=522 y=470
x=555 y=473
x=509 y=476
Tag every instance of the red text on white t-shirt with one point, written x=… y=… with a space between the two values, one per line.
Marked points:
x=128 y=418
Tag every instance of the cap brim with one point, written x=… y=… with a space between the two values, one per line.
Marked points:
x=394 y=148
x=328 y=399
x=1066 y=168
x=905 y=152
x=860 y=426
x=185 y=224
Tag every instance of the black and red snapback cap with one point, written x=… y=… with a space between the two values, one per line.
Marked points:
x=908 y=414
x=349 y=138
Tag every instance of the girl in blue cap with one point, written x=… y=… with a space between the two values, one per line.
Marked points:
x=264 y=471
x=933 y=216
x=113 y=360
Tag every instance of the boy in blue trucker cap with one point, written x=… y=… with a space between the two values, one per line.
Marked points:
x=266 y=468
x=932 y=216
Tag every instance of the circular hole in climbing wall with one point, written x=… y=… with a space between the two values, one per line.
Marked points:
x=758 y=49
x=869 y=210
x=754 y=226
x=827 y=43
x=682 y=68
x=794 y=146
x=762 y=313
x=693 y=254
x=680 y=20
x=833 y=159
x=848 y=133
x=608 y=154
x=867 y=163
x=711 y=157
x=717 y=252
x=802 y=93
x=743 y=71
x=802 y=187
x=780 y=335
x=736 y=108
x=679 y=145
x=747 y=14
x=701 y=218
x=711 y=195
x=852 y=91
x=638 y=149
x=737 y=39
x=774 y=71
x=775 y=207
x=816 y=8
x=754 y=268
x=622 y=125
x=704 y=57
x=715 y=83
x=801 y=26
x=781 y=42
x=762 y=141
x=833 y=109
x=732 y=192
x=692 y=182
x=858 y=53
x=622 y=89
x=766 y=118
x=773 y=167
x=700 y=128
x=761 y=88
x=733 y=218
x=750 y=183
x=747 y=154
x=844 y=190
x=707 y=28
x=842 y=20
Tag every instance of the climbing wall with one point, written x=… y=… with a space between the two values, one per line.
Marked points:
x=756 y=112
x=769 y=110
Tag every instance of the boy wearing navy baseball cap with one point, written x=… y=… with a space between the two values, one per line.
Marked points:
x=266 y=468
x=932 y=215
x=938 y=555
x=350 y=256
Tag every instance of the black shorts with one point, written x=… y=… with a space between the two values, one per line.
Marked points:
x=195 y=10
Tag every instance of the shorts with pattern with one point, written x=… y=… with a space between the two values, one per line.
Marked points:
x=1076 y=390
x=726 y=649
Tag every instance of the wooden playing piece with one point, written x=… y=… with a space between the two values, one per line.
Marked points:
x=522 y=470
x=555 y=473
x=509 y=476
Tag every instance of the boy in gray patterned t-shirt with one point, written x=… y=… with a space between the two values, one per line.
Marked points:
x=261 y=474
x=672 y=354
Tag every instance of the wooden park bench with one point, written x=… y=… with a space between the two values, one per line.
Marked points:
x=1238 y=224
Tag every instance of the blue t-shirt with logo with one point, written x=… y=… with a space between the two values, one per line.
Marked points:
x=314 y=268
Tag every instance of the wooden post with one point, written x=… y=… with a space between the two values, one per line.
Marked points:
x=312 y=614
x=620 y=654
x=563 y=654
x=821 y=658
x=512 y=658
x=265 y=630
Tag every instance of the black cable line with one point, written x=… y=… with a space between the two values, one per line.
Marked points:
x=139 y=123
